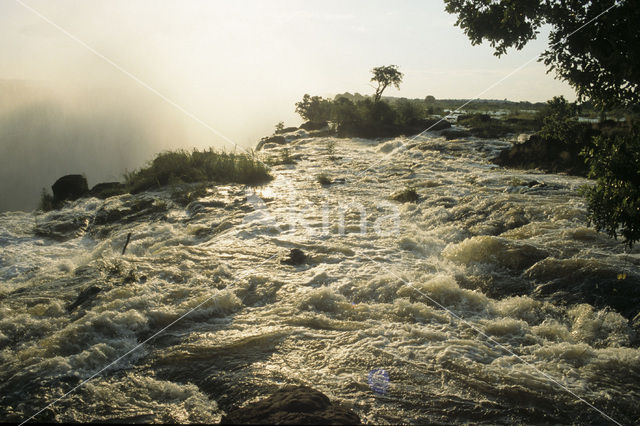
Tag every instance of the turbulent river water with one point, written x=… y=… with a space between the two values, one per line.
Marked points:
x=460 y=307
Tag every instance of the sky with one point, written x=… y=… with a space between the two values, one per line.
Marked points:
x=218 y=73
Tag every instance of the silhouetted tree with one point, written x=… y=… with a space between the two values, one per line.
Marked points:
x=385 y=76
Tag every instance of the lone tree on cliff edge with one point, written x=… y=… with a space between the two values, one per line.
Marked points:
x=385 y=76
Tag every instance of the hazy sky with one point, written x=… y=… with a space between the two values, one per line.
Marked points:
x=241 y=65
x=238 y=67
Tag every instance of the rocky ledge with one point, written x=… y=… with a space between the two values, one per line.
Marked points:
x=293 y=405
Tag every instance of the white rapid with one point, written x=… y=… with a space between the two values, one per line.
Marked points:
x=489 y=300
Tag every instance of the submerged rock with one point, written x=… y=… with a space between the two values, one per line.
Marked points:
x=293 y=405
x=69 y=187
x=296 y=257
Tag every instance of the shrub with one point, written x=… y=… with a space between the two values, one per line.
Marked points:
x=614 y=202
x=181 y=166
x=331 y=149
x=408 y=113
x=485 y=126
x=314 y=109
x=46 y=201
x=560 y=121
x=284 y=158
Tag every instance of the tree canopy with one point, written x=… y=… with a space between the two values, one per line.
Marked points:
x=385 y=76
x=593 y=44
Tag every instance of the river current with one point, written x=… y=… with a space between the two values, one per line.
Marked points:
x=456 y=308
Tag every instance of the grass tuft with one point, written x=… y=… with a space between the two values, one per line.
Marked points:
x=175 y=167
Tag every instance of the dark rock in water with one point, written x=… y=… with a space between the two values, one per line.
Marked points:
x=293 y=405
x=456 y=134
x=314 y=125
x=408 y=195
x=296 y=257
x=84 y=296
x=547 y=155
x=280 y=140
x=69 y=187
x=535 y=183
x=107 y=189
x=61 y=226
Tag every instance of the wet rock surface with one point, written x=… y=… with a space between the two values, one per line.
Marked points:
x=293 y=405
x=295 y=257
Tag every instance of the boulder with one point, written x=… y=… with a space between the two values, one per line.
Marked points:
x=314 y=125
x=69 y=187
x=276 y=139
x=286 y=130
x=296 y=257
x=293 y=405
x=107 y=189
x=85 y=295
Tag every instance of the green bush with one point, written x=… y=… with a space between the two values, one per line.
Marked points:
x=314 y=109
x=560 y=121
x=181 y=166
x=614 y=202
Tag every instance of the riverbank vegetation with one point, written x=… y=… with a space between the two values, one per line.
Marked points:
x=603 y=68
x=177 y=167
x=198 y=166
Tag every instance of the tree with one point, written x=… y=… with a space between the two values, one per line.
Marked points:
x=315 y=109
x=559 y=120
x=614 y=202
x=592 y=44
x=385 y=76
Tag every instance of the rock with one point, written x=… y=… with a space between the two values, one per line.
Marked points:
x=107 y=189
x=286 y=130
x=276 y=139
x=547 y=155
x=455 y=134
x=293 y=405
x=296 y=257
x=84 y=296
x=433 y=125
x=69 y=187
x=408 y=195
x=314 y=125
